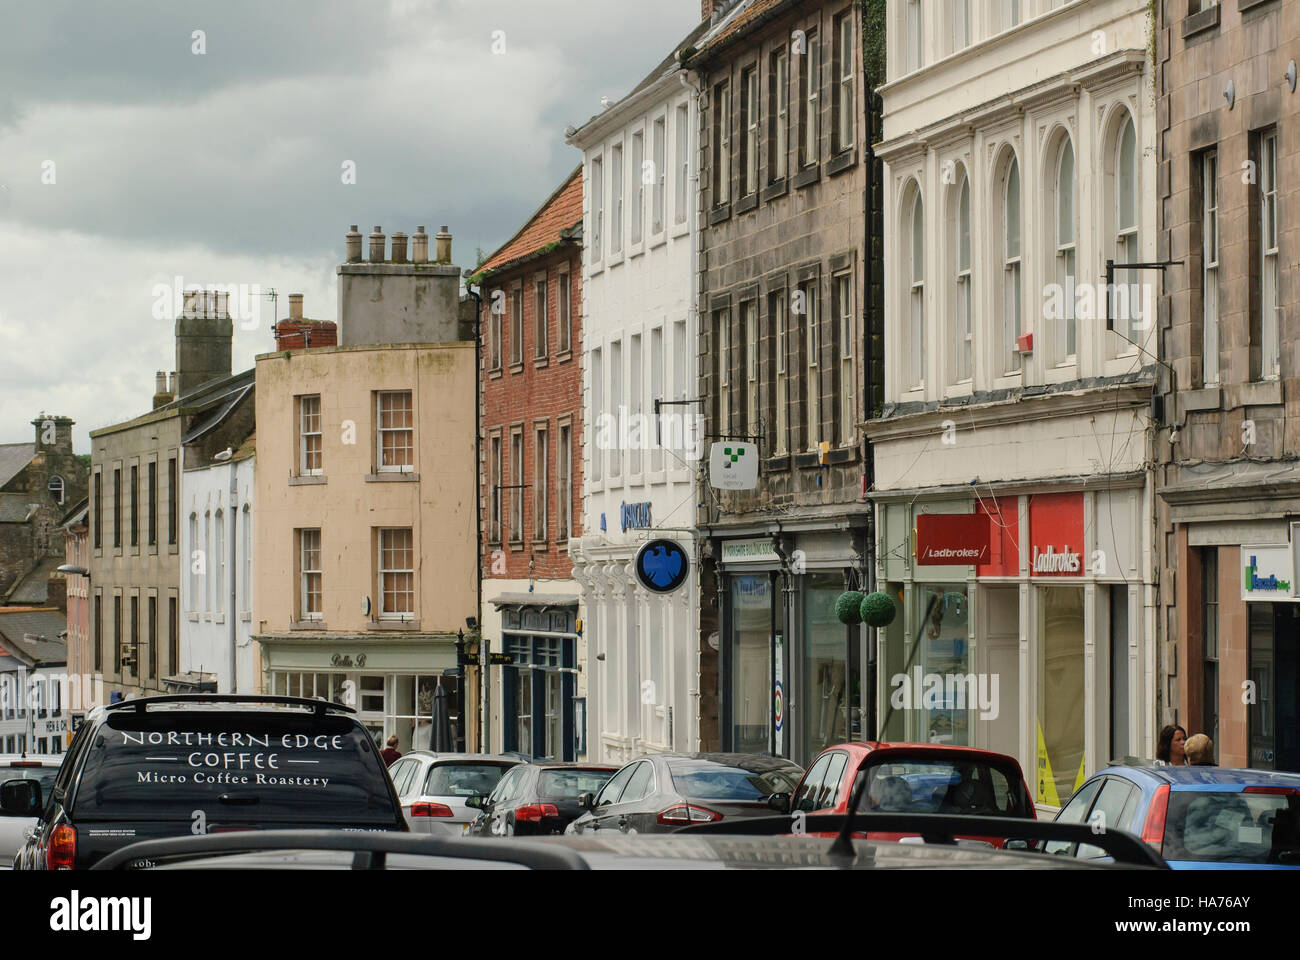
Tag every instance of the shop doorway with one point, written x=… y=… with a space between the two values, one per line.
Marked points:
x=999 y=659
x=1275 y=673
x=751 y=646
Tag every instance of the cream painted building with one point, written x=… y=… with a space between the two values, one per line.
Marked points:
x=1019 y=149
x=365 y=490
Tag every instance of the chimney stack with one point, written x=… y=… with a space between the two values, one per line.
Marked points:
x=354 y=245
x=299 y=332
x=377 y=241
x=295 y=306
x=443 y=241
x=161 y=394
x=420 y=246
x=399 y=247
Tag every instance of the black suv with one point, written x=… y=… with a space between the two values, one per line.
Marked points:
x=178 y=765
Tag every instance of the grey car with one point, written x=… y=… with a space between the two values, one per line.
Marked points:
x=433 y=788
x=15 y=830
x=664 y=792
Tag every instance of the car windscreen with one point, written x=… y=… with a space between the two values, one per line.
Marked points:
x=708 y=780
x=463 y=779
x=42 y=775
x=571 y=783
x=943 y=786
x=1235 y=827
x=282 y=767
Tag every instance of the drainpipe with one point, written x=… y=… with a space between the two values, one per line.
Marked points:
x=233 y=513
x=478 y=538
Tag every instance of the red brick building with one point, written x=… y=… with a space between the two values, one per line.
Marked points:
x=531 y=476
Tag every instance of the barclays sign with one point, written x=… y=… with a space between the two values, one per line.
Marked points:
x=635 y=516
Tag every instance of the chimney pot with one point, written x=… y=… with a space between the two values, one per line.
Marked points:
x=160 y=382
x=420 y=246
x=354 y=245
x=443 y=240
x=295 y=306
x=377 y=242
x=399 y=247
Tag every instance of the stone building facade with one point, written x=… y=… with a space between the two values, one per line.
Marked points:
x=786 y=363
x=39 y=481
x=530 y=477
x=1229 y=451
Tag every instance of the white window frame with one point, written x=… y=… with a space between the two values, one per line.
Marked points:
x=959 y=21
x=381 y=431
x=194 y=575
x=845 y=118
x=564 y=482
x=915 y=33
x=386 y=546
x=517 y=481
x=1065 y=255
x=848 y=333
x=915 y=339
x=541 y=472
x=541 y=317
x=494 y=488
x=564 y=304
x=309 y=426
x=596 y=372
x=1270 y=276
x=516 y=323
x=615 y=403
x=638 y=192
x=309 y=566
x=813 y=372
x=1012 y=269
x=617 y=188
x=963 y=352
x=811 y=101
x=753 y=412
x=722 y=143
x=683 y=143
x=782 y=402
x=657 y=393
x=780 y=136
x=494 y=326
x=660 y=162
x=636 y=378
x=219 y=606
x=749 y=80
x=724 y=372
x=1127 y=244
x=597 y=207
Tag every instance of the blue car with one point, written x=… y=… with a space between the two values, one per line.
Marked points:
x=1197 y=818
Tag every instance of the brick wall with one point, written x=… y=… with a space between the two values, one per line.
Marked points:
x=518 y=397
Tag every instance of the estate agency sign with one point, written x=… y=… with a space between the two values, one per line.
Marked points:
x=1267 y=572
x=952 y=538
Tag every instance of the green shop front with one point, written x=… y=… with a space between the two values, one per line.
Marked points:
x=790 y=673
x=392 y=681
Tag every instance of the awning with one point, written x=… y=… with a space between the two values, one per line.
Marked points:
x=542 y=600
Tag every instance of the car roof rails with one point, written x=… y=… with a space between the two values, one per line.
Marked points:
x=142 y=704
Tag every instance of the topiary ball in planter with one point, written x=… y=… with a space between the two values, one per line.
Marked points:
x=878 y=610
x=848 y=607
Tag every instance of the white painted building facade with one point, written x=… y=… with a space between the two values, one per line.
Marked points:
x=1019 y=150
x=216 y=521
x=639 y=345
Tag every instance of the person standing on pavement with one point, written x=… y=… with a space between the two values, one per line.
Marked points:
x=1200 y=751
x=390 y=753
x=1170 y=749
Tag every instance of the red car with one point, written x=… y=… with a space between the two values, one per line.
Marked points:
x=912 y=778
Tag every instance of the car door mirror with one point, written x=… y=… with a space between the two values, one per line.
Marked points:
x=20 y=798
x=587 y=801
x=780 y=802
x=1016 y=845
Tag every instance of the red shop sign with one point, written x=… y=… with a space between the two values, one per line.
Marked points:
x=952 y=539
x=1056 y=535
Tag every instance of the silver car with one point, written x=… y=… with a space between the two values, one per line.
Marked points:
x=14 y=830
x=433 y=788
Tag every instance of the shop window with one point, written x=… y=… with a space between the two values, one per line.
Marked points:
x=1210 y=643
x=946 y=698
x=1119 y=676
x=1263 y=735
x=751 y=663
x=824 y=665
x=1061 y=708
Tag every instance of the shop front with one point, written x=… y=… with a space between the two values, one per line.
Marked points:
x=539 y=681
x=790 y=671
x=1030 y=643
x=408 y=687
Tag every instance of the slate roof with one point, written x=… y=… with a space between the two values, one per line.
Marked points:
x=14 y=507
x=13 y=457
x=45 y=624
x=551 y=224
x=736 y=22
x=33 y=586
x=77 y=514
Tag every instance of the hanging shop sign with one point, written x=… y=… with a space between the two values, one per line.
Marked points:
x=733 y=465
x=662 y=566
x=952 y=538
x=1267 y=572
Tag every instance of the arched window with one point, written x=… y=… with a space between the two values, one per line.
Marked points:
x=1128 y=301
x=1065 y=252
x=219 y=563
x=55 y=486
x=1012 y=322
x=190 y=560
x=914 y=275
x=248 y=561
x=962 y=334
x=206 y=564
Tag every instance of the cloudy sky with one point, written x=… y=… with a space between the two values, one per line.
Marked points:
x=128 y=159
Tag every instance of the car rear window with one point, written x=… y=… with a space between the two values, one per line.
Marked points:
x=275 y=767
x=463 y=779
x=1233 y=827
x=974 y=787
x=704 y=780
x=42 y=775
x=572 y=783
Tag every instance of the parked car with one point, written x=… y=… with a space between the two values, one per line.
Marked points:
x=662 y=792
x=537 y=799
x=1198 y=818
x=912 y=778
x=15 y=829
x=203 y=763
x=433 y=787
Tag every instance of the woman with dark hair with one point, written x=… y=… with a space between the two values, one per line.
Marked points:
x=1169 y=750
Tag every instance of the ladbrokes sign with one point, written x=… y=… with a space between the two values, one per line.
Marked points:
x=952 y=538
